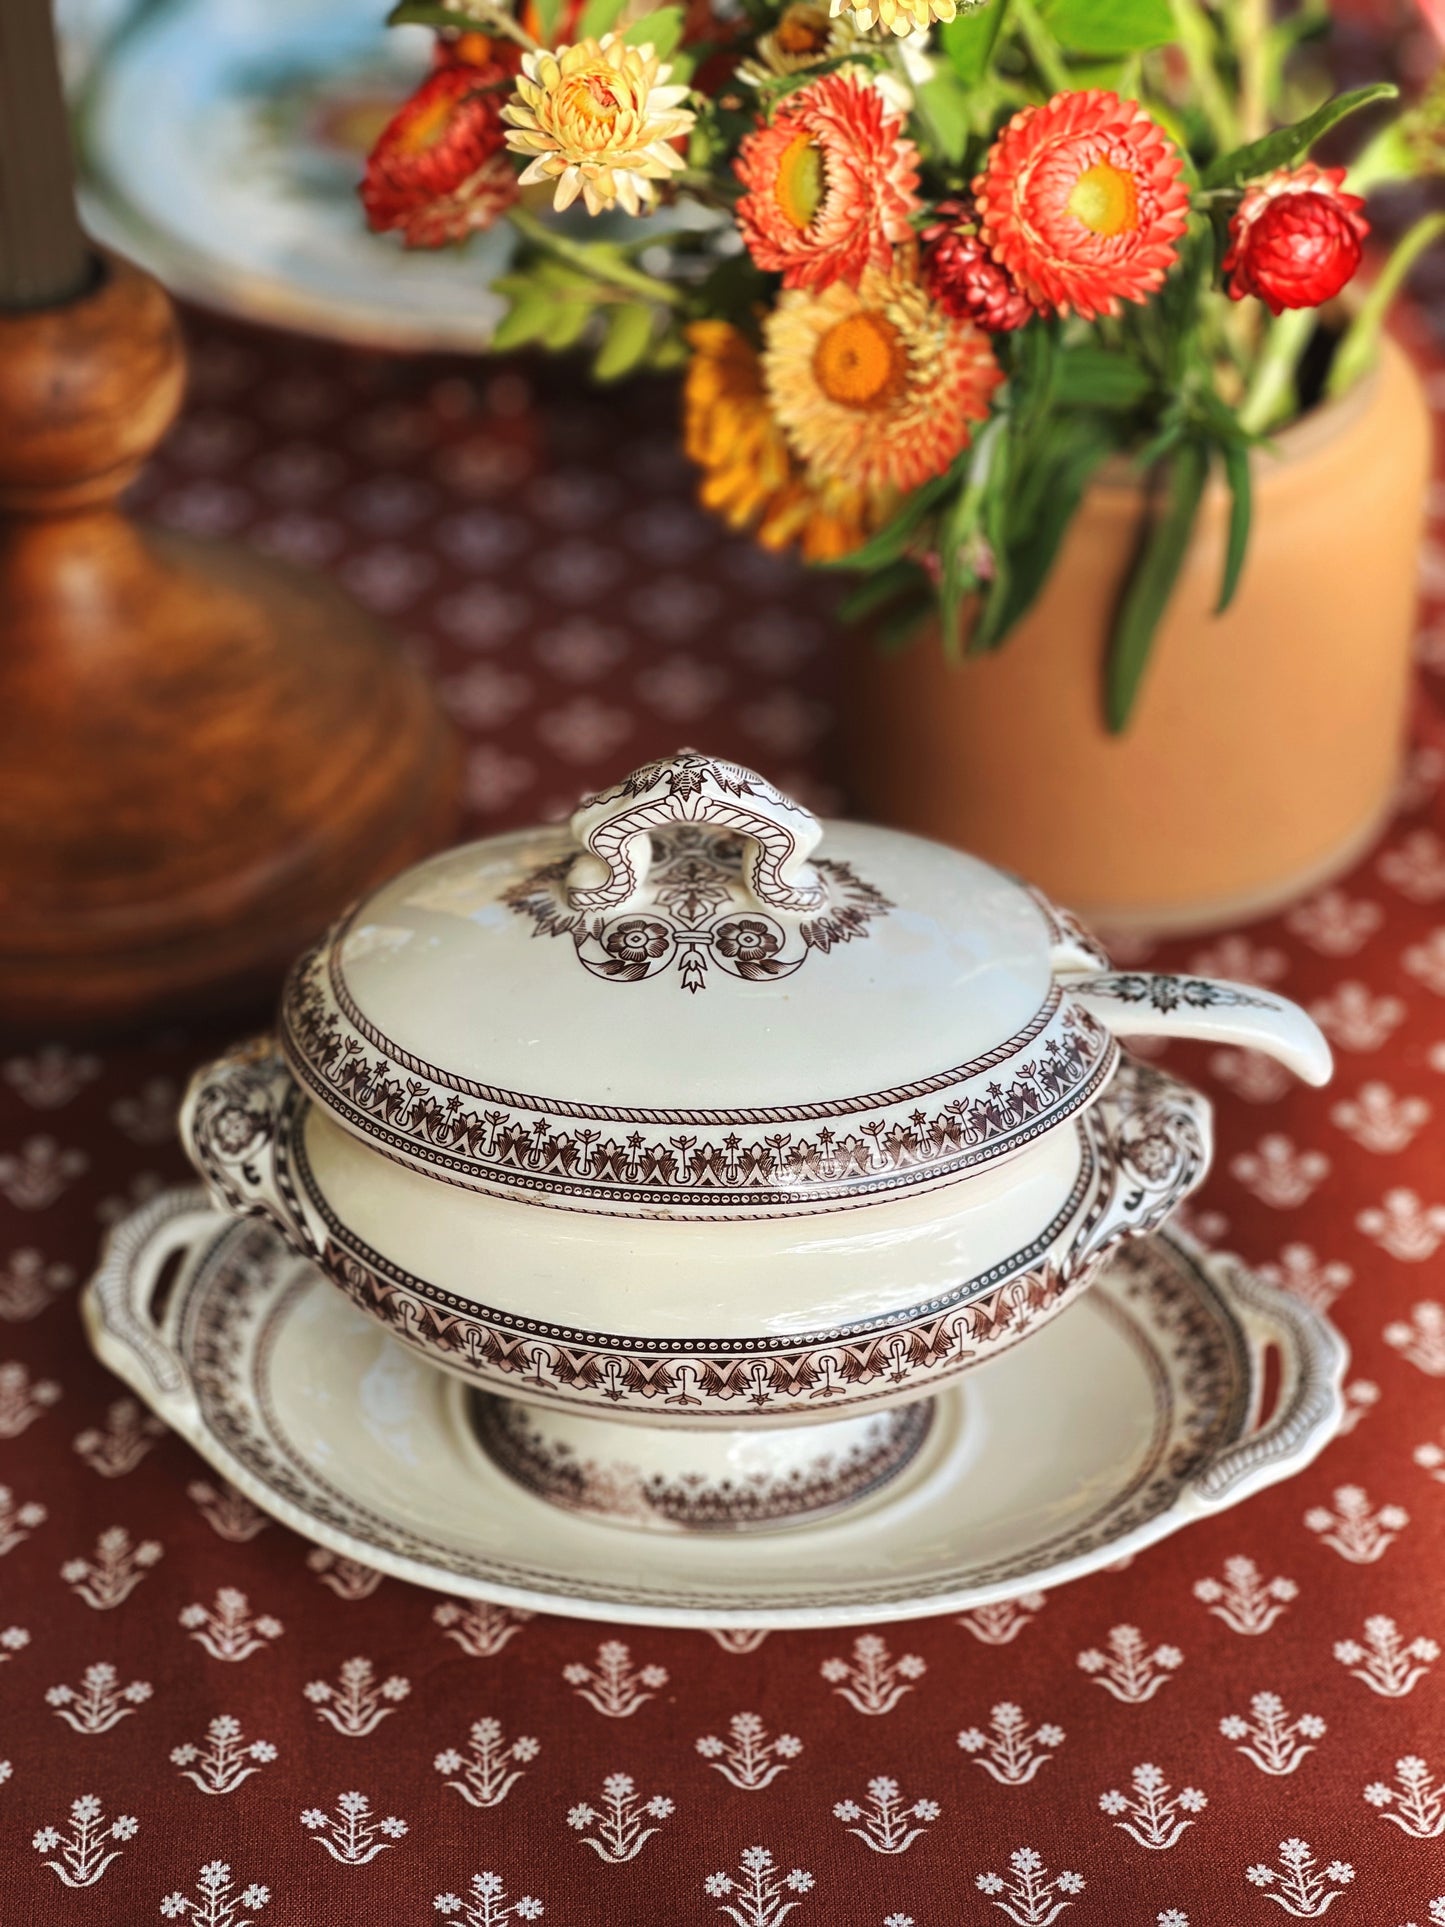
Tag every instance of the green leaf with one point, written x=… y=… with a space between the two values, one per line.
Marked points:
x=426 y=13
x=661 y=30
x=969 y=38
x=1108 y=26
x=549 y=18
x=1236 y=473
x=890 y=541
x=1289 y=144
x=1033 y=557
x=943 y=106
x=628 y=336
x=884 y=586
x=599 y=17
x=523 y=322
x=1098 y=378
x=566 y=321
x=1152 y=582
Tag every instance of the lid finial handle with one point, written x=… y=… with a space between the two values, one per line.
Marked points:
x=615 y=829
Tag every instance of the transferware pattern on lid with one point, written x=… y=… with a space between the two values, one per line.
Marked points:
x=673 y=1007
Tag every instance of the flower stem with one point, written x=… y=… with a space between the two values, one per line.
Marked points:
x=1271 y=395
x=1361 y=342
x=1196 y=39
x=1041 y=47
x=589 y=260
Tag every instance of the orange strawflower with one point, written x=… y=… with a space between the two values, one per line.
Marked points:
x=877 y=388
x=749 y=477
x=1081 y=201
x=439 y=170
x=831 y=181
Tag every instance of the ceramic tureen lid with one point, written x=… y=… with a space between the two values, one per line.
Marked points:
x=696 y=999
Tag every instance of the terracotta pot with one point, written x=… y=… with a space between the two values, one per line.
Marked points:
x=1265 y=744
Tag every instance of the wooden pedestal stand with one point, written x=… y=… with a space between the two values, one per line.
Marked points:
x=203 y=754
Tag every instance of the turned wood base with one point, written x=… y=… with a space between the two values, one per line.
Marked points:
x=204 y=754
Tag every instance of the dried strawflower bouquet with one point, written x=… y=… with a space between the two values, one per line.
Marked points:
x=925 y=266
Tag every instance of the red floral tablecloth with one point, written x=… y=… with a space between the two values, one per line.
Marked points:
x=205 y=1720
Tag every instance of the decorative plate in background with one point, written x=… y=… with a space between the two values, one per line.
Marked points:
x=220 y=143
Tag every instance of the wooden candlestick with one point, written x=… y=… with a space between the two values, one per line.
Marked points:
x=204 y=754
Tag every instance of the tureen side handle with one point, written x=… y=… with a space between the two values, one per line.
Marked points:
x=130 y=1335
x=233 y=1125
x=615 y=830
x=1309 y=1406
x=1140 y=1003
x=1156 y=1137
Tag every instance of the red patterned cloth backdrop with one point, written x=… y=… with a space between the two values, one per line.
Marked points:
x=206 y=1720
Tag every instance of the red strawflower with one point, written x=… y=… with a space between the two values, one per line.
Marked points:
x=1295 y=239
x=1081 y=201
x=963 y=277
x=831 y=182
x=439 y=170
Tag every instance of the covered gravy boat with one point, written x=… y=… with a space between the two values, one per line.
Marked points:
x=706 y=1141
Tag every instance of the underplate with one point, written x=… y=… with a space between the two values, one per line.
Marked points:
x=1132 y=1414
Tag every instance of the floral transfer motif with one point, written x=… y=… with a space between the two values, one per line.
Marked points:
x=113 y=1571
x=757 y=1895
x=1415 y=1803
x=1298 y=1884
x=613 y=1686
x=486 y=1774
x=357 y=1704
x=1010 y=1751
x=486 y=1905
x=700 y=915
x=749 y=1758
x=1355 y=1529
x=1270 y=1738
x=874 y=1682
x=22 y=1400
x=83 y=1851
x=100 y=1701
x=1245 y=1600
x=1152 y=1815
x=216 y=1901
x=226 y=1759
x=478 y=1627
x=618 y=1831
x=1388 y=1664
x=228 y=1512
x=1130 y=1669
x=17 y=1521
x=117 y=1448
x=1001 y=1624
x=885 y=1816
x=1028 y=1894
x=229 y=1630
x=353 y=1835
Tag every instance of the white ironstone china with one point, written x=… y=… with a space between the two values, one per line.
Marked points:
x=700 y=1115
x=1134 y=1414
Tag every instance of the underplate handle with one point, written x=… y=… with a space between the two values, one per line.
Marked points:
x=1142 y=1003
x=615 y=831
x=233 y=1125
x=1313 y=1357
x=119 y=1302
x=1155 y=1136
